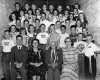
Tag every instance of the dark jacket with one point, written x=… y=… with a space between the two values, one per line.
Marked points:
x=59 y=55
x=19 y=55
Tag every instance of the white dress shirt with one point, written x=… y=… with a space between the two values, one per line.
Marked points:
x=90 y=49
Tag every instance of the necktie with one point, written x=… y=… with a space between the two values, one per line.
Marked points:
x=53 y=56
x=19 y=48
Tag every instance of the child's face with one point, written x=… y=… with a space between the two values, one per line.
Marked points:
x=7 y=35
x=44 y=7
x=66 y=22
x=63 y=30
x=55 y=13
x=22 y=13
x=33 y=6
x=73 y=30
x=84 y=31
x=51 y=7
x=60 y=16
x=78 y=23
x=71 y=16
x=43 y=16
x=89 y=38
x=80 y=37
x=17 y=6
x=13 y=16
x=26 y=6
x=58 y=24
x=42 y=28
x=37 y=12
x=13 y=29
x=31 y=29
x=59 y=8
x=29 y=12
x=75 y=11
x=76 y=6
x=26 y=16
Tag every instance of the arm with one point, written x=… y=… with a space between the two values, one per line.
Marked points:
x=60 y=61
x=12 y=56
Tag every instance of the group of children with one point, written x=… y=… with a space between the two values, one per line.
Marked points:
x=50 y=24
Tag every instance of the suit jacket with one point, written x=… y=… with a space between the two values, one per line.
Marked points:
x=59 y=55
x=19 y=55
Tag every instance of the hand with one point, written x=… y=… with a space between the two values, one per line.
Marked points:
x=47 y=47
x=39 y=64
x=18 y=65
x=32 y=63
x=54 y=65
x=36 y=64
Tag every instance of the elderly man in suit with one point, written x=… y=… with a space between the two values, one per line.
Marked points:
x=18 y=59
x=54 y=60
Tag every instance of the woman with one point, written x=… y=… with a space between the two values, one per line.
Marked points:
x=12 y=19
x=78 y=26
x=36 y=62
x=71 y=19
x=70 y=62
x=83 y=20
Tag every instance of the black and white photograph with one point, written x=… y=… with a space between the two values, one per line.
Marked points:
x=49 y=39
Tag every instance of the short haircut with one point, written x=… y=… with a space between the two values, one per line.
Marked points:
x=57 y=22
x=43 y=25
x=17 y=3
x=90 y=35
x=26 y=21
x=37 y=20
x=62 y=26
x=30 y=25
x=22 y=29
x=80 y=34
x=73 y=26
x=19 y=36
x=43 y=13
x=35 y=40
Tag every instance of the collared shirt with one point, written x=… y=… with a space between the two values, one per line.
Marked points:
x=90 y=49
x=7 y=44
x=19 y=47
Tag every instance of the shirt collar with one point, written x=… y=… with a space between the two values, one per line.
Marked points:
x=19 y=46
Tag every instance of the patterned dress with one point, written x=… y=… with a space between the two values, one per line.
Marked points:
x=70 y=65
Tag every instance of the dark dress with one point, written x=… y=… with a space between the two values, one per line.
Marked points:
x=36 y=57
